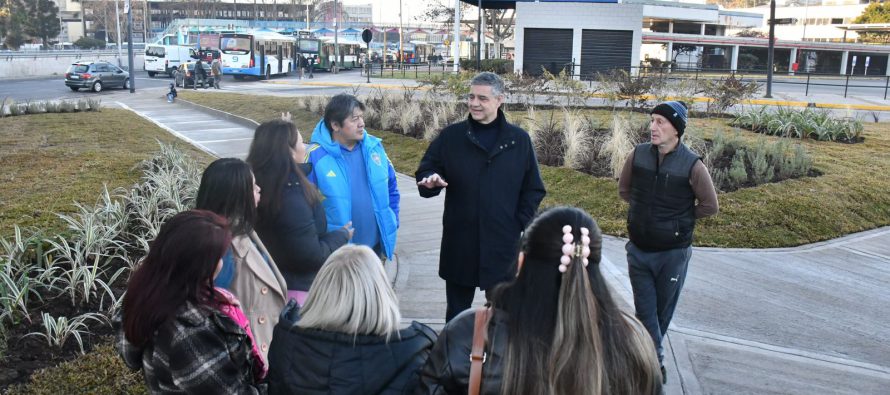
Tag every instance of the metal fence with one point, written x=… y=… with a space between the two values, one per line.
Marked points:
x=879 y=84
x=408 y=70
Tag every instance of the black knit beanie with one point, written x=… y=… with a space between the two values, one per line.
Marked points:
x=675 y=112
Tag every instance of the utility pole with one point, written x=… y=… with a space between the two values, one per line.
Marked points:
x=129 y=10
x=401 y=52
x=455 y=44
x=117 y=19
x=769 y=56
x=336 y=64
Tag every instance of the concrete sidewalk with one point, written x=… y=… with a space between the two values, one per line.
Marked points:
x=805 y=320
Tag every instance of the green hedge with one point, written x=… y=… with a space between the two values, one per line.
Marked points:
x=499 y=66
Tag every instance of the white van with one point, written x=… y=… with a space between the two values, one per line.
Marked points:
x=164 y=59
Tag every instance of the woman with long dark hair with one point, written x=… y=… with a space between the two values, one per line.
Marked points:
x=555 y=329
x=186 y=335
x=291 y=218
x=228 y=188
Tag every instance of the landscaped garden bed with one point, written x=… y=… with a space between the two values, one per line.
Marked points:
x=64 y=266
x=840 y=194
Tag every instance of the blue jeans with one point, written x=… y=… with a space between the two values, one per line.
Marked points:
x=657 y=279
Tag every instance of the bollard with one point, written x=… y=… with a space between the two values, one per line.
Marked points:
x=886 y=84
x=808 y=85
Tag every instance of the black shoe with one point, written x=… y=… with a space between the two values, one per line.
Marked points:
x=664 y=376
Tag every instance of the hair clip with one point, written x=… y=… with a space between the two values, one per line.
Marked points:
x=570 y=249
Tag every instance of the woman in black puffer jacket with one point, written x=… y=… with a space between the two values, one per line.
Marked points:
x=347 y=340
x=291 y=220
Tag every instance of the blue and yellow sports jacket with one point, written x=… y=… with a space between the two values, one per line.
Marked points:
x=329 y=175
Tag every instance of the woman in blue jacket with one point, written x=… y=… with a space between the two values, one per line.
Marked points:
x=291 y=219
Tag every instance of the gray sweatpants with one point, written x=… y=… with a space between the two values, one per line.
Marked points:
x=657 y=279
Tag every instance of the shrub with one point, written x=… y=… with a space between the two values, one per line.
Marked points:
x=100 y=372
x=735 y=164
x=806 y=123
x=524 y=89
x=578 y=141
x=89 y=43
x=727 y=92
x=574 y=91
x=618 y=85
x=499 y=66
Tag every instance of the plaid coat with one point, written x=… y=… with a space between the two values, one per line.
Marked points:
x=199 y=351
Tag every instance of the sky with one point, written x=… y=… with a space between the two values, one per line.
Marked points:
x=387 y=11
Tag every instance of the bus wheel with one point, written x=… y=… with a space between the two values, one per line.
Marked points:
x=268 y=72
x=238 y=77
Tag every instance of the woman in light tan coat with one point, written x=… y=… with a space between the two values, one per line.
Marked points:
x=228 y=188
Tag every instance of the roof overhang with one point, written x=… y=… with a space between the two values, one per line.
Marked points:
x=508 y=4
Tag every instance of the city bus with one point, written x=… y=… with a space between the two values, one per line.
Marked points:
x=350 y=52
x=259 y=53
x=308 y=47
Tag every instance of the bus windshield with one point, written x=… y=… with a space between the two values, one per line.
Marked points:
x=235 y=45
x=308 y=45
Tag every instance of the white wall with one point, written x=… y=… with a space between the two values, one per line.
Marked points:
x=578 y=16
x=43 y=66
x=796 y=31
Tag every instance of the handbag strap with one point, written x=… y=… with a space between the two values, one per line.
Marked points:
x=478 y=355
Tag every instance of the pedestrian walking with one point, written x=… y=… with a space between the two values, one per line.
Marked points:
x=668 y=188
x=553 y=329
x=216 y=71
x=355 y=176
x=301 y=65
x=489 y=170
x=200 y=74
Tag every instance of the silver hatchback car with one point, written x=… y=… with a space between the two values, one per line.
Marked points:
x=96 y=76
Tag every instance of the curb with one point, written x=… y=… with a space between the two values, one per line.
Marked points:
x=246 y=122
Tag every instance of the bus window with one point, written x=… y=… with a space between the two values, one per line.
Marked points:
x=236 y=45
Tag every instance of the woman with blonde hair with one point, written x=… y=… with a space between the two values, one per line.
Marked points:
x=348 y=339
x=555 y=329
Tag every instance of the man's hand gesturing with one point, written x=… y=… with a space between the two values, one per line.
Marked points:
x=433 y=181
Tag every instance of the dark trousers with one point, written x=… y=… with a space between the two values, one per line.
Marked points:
x=657 y=279
x=459 y=298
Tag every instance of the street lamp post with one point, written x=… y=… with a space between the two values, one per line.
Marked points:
x=455 y=43
x=130 y=70
x=479 y=39
x=769 y=56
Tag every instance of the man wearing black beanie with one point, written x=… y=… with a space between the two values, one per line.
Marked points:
x=668 y=188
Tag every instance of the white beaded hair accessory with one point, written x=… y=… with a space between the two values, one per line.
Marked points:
x=570 y=249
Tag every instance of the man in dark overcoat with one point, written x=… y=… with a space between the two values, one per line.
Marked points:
x=494 y=187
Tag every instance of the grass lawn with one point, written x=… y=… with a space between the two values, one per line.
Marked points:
x=49 y=161
x=849 y=197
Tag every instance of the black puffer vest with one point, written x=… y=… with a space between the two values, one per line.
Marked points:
x=662 y=204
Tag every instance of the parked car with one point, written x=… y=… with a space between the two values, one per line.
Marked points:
x=185 y=75
x=96 y=76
